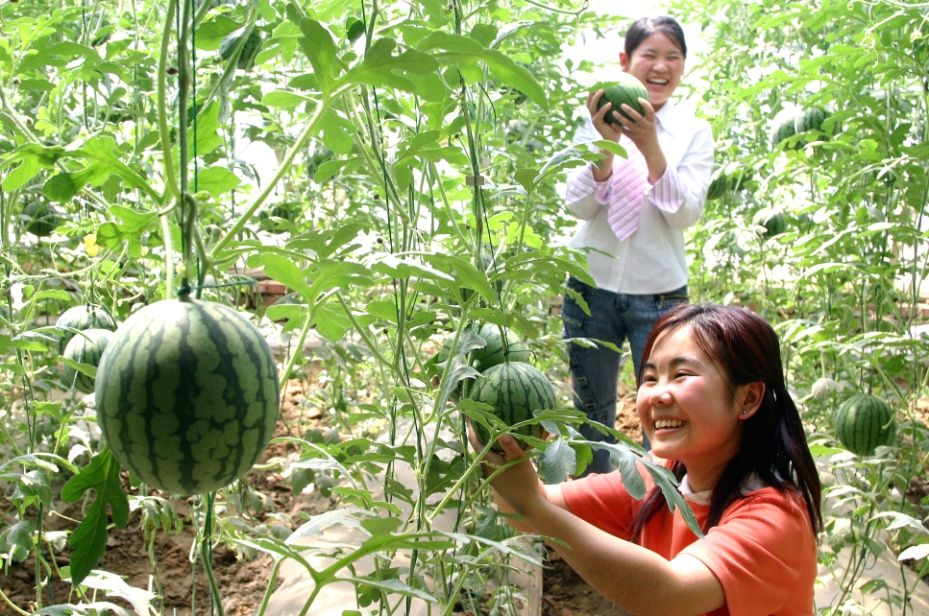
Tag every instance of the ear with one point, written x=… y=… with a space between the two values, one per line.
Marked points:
x=623 y=61
x=749 y=398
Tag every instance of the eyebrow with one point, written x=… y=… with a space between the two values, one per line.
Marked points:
x=683 y=360
x=655 y=51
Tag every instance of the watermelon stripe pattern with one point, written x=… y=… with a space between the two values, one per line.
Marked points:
x=80 y=318
x=187 y=395
x=516 y=390
x=863 y=423
x=493 y=351
x=86 y=347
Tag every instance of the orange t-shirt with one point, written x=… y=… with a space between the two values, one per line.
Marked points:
x=763 y=551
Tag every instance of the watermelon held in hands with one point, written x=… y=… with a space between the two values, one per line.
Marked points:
x=85 y=347
x=187 y=395
x=863 y=423
x=515 y=390
x=627 y=90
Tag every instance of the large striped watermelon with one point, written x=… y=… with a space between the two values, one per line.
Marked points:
x=81 y=317
x=86 y=347
x=515 y=390
x=864 y=422
x=187 y=395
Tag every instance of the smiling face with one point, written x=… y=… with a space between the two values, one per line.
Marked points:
x=688 y=409
x=658 y=63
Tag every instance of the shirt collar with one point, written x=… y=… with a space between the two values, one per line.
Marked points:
x=669 y=118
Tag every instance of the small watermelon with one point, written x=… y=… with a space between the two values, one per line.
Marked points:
x=515 y=390
x=627 y=90
x=41 y=218
x=494 y=351
x=812 y=118
x=80 y=318
x=187 y=395
x=251 y=45
x=85 y=347
x=863 y=423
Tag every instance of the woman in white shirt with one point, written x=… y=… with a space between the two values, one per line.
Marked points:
x=634 y=211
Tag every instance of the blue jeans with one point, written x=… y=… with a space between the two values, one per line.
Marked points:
x=615 y=318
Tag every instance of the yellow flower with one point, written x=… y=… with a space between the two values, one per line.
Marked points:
x=90 y=245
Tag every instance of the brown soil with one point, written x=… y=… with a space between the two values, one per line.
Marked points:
x=241 y=580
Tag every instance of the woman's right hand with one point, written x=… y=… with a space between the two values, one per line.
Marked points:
x=598 y=116
x=518 y=486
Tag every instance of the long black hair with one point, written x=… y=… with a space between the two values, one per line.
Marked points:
x=773 y=445
x=644 y=27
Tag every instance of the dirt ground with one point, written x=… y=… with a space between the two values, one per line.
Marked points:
x=243 y=581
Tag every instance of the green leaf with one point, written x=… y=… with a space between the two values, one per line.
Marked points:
x=89 y=538
x=330 y=274
x=403 y=267
x=331 y=321
x=284 y=270
x=318 y=46
x=31 y=158
x=515 y=75
x=217 y=180
x=331 y=168
x=465 y=274
x=464 y=51
x=324 y=244
x=133 y=221
x=393 y=586
x=16 y=542
x=61 y=187
x=337 y=132
x=108 y=156
x=558 y=462
x=398 y=72
x=284 y=99
x=381 y=526
x=212 y=31
x=207 y=132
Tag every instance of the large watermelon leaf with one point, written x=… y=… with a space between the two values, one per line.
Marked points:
x=89 y=538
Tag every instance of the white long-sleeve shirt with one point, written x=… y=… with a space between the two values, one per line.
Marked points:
x=652 y=260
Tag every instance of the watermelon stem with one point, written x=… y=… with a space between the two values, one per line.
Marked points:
x=206 y=555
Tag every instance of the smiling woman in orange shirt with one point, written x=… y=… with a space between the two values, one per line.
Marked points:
x=715 y=406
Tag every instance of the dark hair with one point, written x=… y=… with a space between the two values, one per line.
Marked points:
x=746 y=349
x=644 y=27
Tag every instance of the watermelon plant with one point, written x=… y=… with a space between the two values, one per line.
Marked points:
x=187 y=395
x=863 y=423
x=381 y=153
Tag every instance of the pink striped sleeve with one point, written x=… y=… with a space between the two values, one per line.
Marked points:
x=667 y=194
x=582 y=184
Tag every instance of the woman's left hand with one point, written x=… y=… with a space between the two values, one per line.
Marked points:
x=518 y=485
x=642 y=129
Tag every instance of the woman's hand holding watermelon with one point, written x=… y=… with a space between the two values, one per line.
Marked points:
x=517 y=487
x=598 y=113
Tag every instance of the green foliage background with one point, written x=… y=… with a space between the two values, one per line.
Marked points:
x=417 y=151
